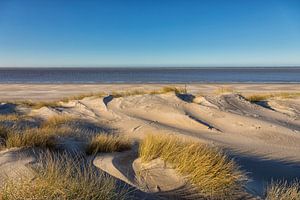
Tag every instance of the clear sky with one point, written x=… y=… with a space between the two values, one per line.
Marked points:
x=149 y=33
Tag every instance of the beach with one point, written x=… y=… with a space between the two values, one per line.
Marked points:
x=258 y=125
x=46 y=92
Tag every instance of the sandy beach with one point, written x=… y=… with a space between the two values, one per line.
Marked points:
x=263 y=137
x=46 y=92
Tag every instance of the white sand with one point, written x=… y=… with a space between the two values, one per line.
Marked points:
x=263 y=140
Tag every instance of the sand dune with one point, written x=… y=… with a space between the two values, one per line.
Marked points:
x=264 y=139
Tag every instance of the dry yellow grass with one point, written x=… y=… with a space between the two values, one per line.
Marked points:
x=81 y=96
x=128 y=93
x=40 y=104
x=266 y=96
x=108 y=143
x=11 y=117
x=207 y=168
x=281 y=190
x=223 y=90
x=177 y=90
x=43 y=136
x=37 y=105
x=35 y=137
x=57 y=121
x=60 y=177
x=3 y=136
x=163 y=90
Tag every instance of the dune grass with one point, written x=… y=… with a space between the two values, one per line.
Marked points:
x=34 y=137
x=282 y=190
x=39 y=104
x=163 y=90
x=207 y=168
x=3 y=136
x=266 y=96
x=82 y=96
x=10 y=117
x=106 y=143
x=57 y=121
x=222 y=90
x=60 y=177
x=43 y=136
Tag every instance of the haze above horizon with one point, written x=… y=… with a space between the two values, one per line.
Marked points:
x=107 y=33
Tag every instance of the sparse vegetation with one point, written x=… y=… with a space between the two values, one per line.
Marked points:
x=81 y=96
x=58 y=120
x=128 y=93
x=38 y=105
x=163 y=90
x=281 y=190
x=60 y=177
x=108 y=143
x=266 y=96
x=222 y=90
x=30 y=138
x=10 y=117
x=205 y=167
x=3 y=136
x=43 y=136
x=177 y=90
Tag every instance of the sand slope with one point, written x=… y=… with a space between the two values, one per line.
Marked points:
x=265 y=140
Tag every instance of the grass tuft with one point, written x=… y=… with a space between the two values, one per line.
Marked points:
x=128 y=93
x=205 y=167
x=266 y=96
x=56 y=121
x=106 y=143
x=3 y=136
x=44 y=136
x=60 y=177
x=163 y=90
x=34 y=137
x=82 y=96
x=177 y=90
x=281 y=190
x=38 y=105
x=223 y=90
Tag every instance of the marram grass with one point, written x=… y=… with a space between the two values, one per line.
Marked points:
x=60 y=177
x=163 y=90
x=282 y=190
x=43 y=136
x=266 y=96
x=106 y=143
x=209 y=170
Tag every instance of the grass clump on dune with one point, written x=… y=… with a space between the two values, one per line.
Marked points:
x=205 y=167
x=163 y=90
x=177 y=90
x=60 y=177
x=34 y=137
x=82 y=96
x=3 y=136
x=281 y=190
x=39 y=104
x=266 y=96
x=43 y=136
x=128 y=93
x=10 y=117
x=106 y=143
x=222 y=90
x=56 y=121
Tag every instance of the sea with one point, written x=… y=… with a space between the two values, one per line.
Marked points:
x=151 y=75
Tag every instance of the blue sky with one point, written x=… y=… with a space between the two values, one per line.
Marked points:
x=149 y=33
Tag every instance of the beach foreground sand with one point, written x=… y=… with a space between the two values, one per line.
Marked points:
x=263 y=135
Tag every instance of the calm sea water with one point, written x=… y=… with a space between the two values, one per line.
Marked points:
x=150 y=75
